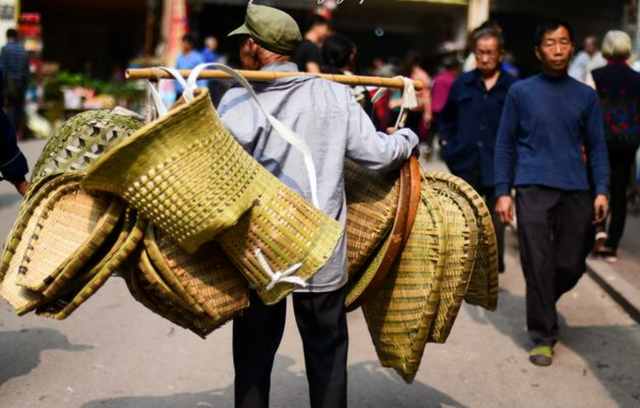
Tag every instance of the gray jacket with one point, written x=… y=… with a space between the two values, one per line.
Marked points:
x=325 y=115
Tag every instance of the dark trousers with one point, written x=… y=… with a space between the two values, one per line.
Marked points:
x=322 y=324
x=489 y=194
x=554 y=228
x=14 y=101
x=621 y=163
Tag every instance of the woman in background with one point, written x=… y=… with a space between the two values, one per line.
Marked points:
x=619 y=89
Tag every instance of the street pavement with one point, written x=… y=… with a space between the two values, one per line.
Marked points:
x=114 y=353
x=622 y=279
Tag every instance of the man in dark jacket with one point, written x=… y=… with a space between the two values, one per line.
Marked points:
x=470 y=119
x=13 y=164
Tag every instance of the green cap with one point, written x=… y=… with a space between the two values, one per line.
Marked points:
x=271 y=28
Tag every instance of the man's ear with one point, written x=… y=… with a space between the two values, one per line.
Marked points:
x=537 y=51
x=251 y=43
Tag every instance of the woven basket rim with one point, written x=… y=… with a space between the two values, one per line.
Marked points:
x=103 y=229
x=129 y=238
x=159 y=263
x=202 y=93
x=114 y=118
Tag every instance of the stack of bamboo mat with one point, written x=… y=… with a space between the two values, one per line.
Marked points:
x=179 y=210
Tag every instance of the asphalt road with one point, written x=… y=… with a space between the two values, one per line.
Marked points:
x=114 y=353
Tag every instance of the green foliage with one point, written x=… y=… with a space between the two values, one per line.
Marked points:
x=53 y=86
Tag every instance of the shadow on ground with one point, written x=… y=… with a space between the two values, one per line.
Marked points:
x=20 y=350
x=289 y=389
x=611 y=352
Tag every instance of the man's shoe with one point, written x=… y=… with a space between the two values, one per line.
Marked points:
x=601 y=239
x=609 y=254
x=541 y=356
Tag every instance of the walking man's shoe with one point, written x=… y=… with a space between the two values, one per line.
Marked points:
x=601 y=240
x=541 y=356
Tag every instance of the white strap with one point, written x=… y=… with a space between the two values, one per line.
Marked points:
x=161 y=109
x=286 y=133
x=409 y=99
x=379 y=94
x=278 y=277
x=155 y=95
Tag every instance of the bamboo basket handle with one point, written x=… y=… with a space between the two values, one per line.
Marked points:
x=264 y=76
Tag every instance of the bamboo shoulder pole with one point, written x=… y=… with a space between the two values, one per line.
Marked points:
x=264 y=76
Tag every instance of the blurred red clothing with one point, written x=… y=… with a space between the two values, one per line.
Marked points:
x=442 y=84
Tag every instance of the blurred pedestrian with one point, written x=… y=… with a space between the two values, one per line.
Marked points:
x=470 y=61
x=509 y=64
x=419 y=118
x=307 y=55
x=210 y=50
x=388 y=68
x=619 y=89
x=338 y=57
x=189 y=58
x=327 y=117
x=210 y=54
x=470 y=120
x=548 y=121
x=13 y=164
x=14 y=61
x=587 y=60
x=440 y=90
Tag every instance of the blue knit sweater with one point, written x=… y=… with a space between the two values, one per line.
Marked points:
x=547 y=125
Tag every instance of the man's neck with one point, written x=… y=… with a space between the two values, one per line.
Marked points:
x=553 y=73
x=490 y=79
x=272 y=59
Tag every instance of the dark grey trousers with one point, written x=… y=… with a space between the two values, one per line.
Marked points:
x=322 y=324
x=554 y=229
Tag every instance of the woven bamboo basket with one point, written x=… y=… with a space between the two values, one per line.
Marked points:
x=483 y=286
x=148 y=287
x=16 y=246
x=83 y=138
x=72 y=227
x=206 y=279
x=372 y=202
x=401 y=314
x=80 y=289
x=185 y=173
x=190 y=178
x=365 y=285
x=462 y=241
x=133 y=277
x=288 y=231
x=35 y=187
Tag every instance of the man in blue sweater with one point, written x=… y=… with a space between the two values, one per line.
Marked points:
x=550 y=124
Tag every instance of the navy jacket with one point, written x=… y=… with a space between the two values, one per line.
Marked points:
x=547 y=126
x=13 y=165
x=469 y=124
